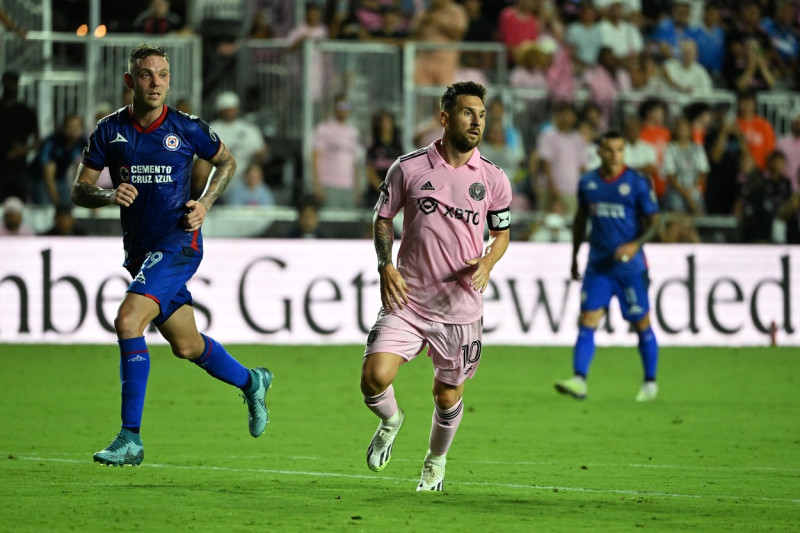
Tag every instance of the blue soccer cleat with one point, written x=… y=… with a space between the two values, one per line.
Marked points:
x=255 y=398
x=122 y=451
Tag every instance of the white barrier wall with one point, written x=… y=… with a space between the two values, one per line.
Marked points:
x=66 y=290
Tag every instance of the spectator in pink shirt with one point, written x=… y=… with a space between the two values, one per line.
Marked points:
x=605 y=80
x=562 y=153
x=790 y=146
x=335 y=158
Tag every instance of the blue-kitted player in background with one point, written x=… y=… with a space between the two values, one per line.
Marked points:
x=623 y=210
x=149 y=148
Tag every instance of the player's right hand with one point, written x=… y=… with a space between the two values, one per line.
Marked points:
x=125 y=194
x=393 y=288
x=576 y=274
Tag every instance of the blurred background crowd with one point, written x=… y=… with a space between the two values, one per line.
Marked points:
x=317 y=99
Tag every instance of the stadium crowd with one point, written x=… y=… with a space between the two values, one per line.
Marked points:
x=704 y=159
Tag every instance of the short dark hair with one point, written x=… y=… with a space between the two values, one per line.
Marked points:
x=461 y=88
x=648 y=105
x=609 y=135
x=142 y=51
x=10 y=75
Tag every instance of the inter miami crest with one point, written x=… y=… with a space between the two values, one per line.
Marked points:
x=373 y=334
x=477 y=191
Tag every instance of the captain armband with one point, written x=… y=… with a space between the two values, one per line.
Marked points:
x=499 y=220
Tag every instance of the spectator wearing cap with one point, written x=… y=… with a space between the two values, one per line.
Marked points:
x=623 y=38
x=242 y=137
x=710 y=39
x=335 y=159
x=790 y=146
x=13 y=226
x=672 y=30
x=15 y=142
x=686 y=75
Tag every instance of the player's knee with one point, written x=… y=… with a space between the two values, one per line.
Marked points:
x=446 y=398
x=374 y=380
x=128 y=325
x=590 y=319
x=642 y=324
x=187 y=348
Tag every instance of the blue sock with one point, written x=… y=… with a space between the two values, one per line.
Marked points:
x=220 y=364
x=134 y=368
x=648 y=348
x=584 y=351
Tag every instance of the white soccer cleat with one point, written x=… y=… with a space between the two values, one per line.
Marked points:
x=432 y=478
x=574 y=386
x=380 y=449
x=648 y=392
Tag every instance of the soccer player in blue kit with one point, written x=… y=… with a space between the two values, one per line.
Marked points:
x=149 y=148
x=623 y=210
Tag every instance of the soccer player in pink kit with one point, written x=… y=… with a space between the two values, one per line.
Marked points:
x=433 y=298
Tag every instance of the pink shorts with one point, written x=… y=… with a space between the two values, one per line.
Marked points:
x=455 y=349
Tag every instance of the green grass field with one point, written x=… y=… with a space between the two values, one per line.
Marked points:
x=718 y=451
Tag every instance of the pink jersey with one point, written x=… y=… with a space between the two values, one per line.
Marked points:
x=445 y=210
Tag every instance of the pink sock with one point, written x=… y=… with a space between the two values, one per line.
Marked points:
x=384 y=405
x=444 y=426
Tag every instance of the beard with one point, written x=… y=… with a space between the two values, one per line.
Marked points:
x=464 y=143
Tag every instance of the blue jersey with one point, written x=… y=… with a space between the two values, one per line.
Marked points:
x=158 y=162
x=615 y=208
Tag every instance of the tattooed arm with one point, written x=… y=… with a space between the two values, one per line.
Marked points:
x=221 y=176
x=393 y=286
x=86 y=193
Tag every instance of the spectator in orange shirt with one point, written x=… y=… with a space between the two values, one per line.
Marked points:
x=758 y=133
x=652 y=114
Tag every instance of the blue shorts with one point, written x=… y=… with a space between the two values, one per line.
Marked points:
x=631 y=292
x=163 y=276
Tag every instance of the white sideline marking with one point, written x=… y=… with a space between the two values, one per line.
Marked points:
x=596 y=465
x=413 y=481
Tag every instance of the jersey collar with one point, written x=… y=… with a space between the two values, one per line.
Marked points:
x=437 y=160
x=613 y=178
x=152 y=127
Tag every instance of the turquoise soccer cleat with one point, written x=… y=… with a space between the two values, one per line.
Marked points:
x=255 y=398
x=122 y=451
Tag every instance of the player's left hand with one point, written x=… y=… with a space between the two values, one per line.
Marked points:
x=625 y=252
x=195 y=215
x=480 y=278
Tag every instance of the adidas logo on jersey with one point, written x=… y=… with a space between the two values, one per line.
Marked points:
x=427 y=187
x=119 y=139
